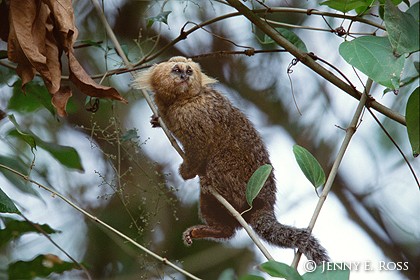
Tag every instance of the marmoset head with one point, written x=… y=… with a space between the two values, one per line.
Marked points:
x=176 y=78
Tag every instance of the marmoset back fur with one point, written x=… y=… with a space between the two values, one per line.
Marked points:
x=224 y=149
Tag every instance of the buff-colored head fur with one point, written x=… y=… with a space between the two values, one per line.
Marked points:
x=158 y=78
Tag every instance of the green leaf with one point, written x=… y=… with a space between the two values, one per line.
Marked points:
x=374 y=56
x=395 y=2
x=66 y=155
x=289 y=36
x=161 y=17
x=14 y=229
x=7 y=205
x=365 y=8
x=17 y=181
x=309 y=166
x=382 y=5
x=131 y=134
x=36 y=97
x=414 y=11
x=412 y=117
x=402 y=28
x=347 y=5
x=329 y=271
x=256 y=182
x=19 y=132
x=41 y=267
x=277 y=269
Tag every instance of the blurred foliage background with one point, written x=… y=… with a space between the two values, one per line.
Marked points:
x=130 y=175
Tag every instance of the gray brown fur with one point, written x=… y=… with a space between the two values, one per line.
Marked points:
x=223 y=148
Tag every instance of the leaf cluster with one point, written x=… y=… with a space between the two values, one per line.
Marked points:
x=384 y=58
x=42 y=265
x=40 y=32
x=315 y=174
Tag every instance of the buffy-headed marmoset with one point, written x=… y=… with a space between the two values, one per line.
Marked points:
x=224 y=149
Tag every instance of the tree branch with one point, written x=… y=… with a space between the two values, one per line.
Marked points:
x=179 y=150
x=90 y=216
x=183 y=35
x=334 y=170
x=306 y=59
x=46 y=235
x=243 y=223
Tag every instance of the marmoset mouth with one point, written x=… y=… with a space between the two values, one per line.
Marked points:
x=183 y=85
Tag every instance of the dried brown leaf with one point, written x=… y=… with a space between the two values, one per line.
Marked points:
x=63 y=22
x=88 y=86
x=29 y=45
x=59 y=100
x=40 y=30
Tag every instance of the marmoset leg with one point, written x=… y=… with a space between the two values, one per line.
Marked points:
x=220 y=225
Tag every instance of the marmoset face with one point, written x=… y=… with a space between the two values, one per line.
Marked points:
x=183 y=76
x=177 y=78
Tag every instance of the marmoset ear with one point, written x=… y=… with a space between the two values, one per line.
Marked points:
x=206 y=80
x=143 y=79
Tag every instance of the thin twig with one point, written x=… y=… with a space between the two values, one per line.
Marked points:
x=247 y=52
x=306 y=59
x=183 y=35
x=334 y=170
x=373 y=103
x=46 y=235
x=242 y=221
x=288 y=25
x=181 y=153
x=110 y=33
x=319 y=13
x=323 y=72
x=396 y=146
x=151 y=105
x=90 y=216
x=162 y=124
x=128 y=65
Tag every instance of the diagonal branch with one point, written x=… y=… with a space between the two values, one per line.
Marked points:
x=243 y=223
x=307 y=59
x=223 y=201
x=46 y=235
x=90 y=216
x=334 y=170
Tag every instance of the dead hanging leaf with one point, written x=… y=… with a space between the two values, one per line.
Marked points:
x=64 y=22
x=29 y=45
x=15 y=53
x=85 y=83
x=40 y=31
x=59 y=100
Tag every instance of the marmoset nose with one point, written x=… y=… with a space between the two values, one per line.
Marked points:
x=184 y=77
